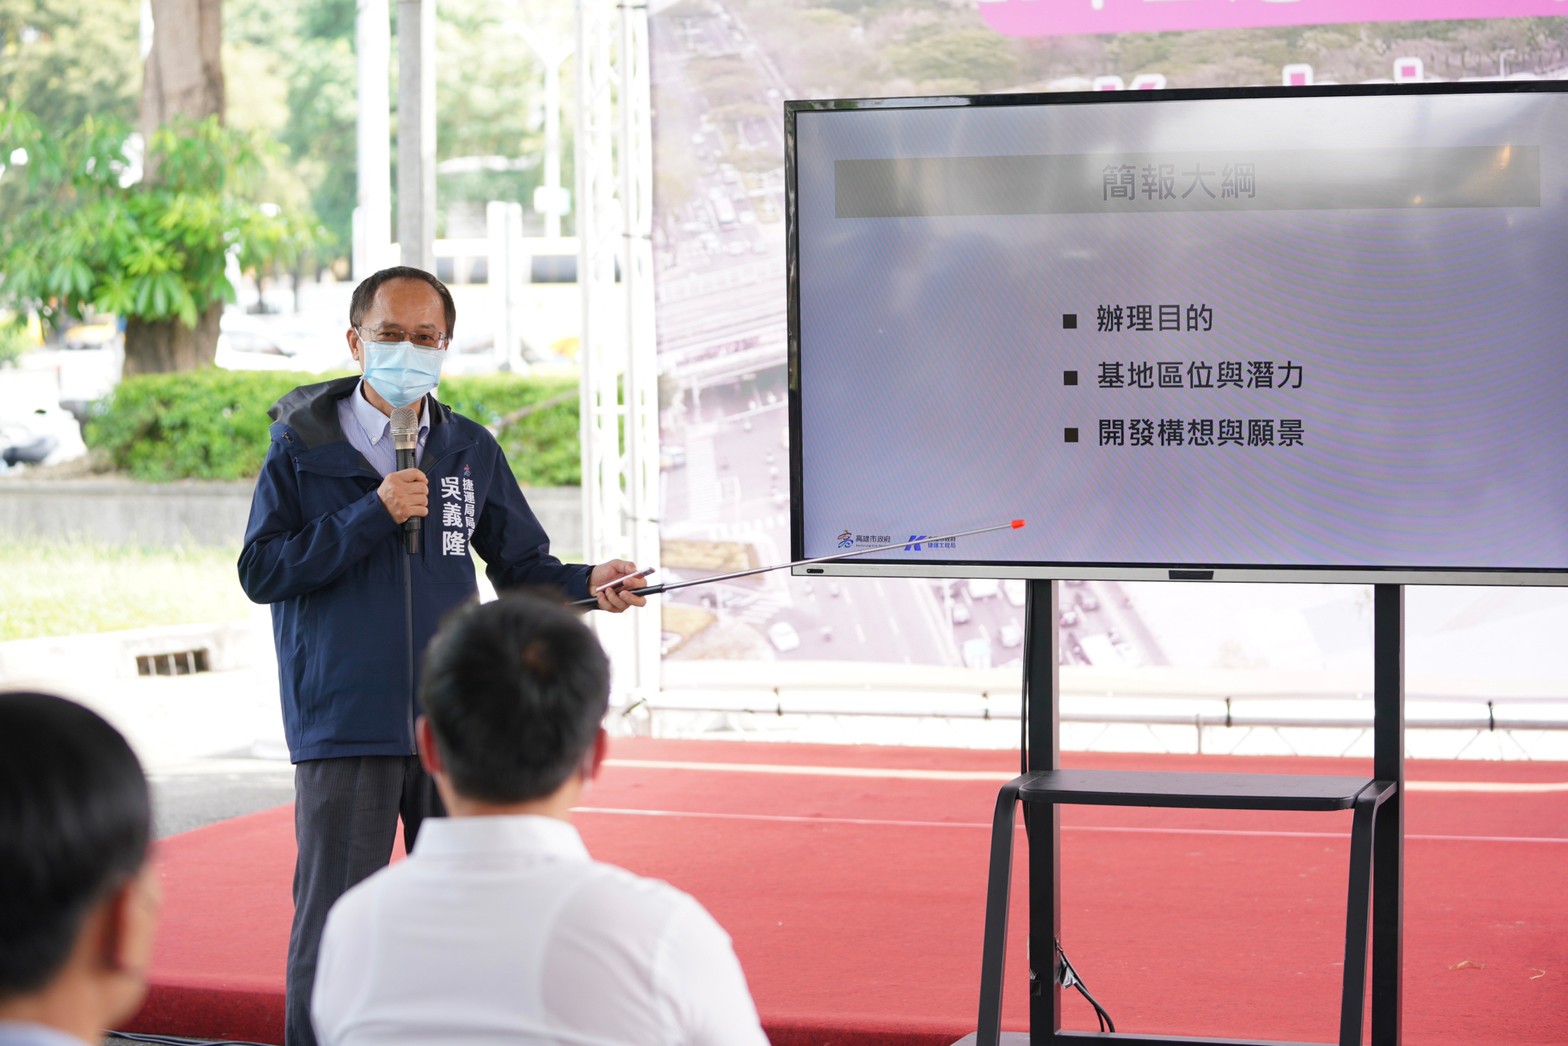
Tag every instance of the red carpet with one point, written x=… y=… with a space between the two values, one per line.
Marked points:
x=852 y=880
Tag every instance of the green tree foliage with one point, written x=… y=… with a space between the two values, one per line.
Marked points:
x=489 y=98
x=321 y=130
x=822 y=52
x=490 y=82
x=964 y=60
x=296 y=61
x=67 y=60
x=312 y=43
x=490 y=103
x=258 y=46
x=85 y=232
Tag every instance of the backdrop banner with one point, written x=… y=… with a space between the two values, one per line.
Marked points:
x=1074 y=17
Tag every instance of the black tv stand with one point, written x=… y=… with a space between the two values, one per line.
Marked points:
x=1374 y=904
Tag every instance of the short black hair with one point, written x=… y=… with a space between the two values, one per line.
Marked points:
x=515 y=691
x=365 y=293
x=75 y=821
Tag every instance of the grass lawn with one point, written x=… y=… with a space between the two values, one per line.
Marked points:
x=68 y=588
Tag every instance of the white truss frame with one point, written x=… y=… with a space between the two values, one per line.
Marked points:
x=620 y=402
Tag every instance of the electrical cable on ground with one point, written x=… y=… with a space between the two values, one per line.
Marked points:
x=1068 y=977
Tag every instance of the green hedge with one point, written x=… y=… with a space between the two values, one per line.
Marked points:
x=212 y=424
x=542 y=446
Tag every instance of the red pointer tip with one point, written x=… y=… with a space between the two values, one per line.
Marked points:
x=1017 y=523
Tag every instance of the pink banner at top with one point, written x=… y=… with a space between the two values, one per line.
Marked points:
x=1072 y=17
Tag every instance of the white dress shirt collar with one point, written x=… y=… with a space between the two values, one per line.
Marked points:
x=377 y=425
x=457 y=837
x=366 y=429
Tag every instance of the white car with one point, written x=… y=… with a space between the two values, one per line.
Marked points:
x=1015 y=591
x=44 y=435
x=783 y=636
x=34 y=428
x=247 y=342
x=983 y=587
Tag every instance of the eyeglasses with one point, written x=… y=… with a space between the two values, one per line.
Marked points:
x=396 y=334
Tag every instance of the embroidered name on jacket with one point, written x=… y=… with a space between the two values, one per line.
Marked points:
x=457 y=512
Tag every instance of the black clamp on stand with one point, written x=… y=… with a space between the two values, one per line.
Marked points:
x=1375 y=901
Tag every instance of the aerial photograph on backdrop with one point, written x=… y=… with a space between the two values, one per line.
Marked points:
x=721 y=71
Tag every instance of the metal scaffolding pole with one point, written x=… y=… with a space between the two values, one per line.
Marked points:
x=373 y=220
x=416 y=132
x=619 y=426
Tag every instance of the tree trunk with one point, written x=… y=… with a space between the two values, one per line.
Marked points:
x=182 y=74
x=166 y=346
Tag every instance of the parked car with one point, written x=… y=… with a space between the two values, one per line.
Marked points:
x=247 y=342
x=783 y=636
x=44 y=435
x=984 y=587
x=93 y=332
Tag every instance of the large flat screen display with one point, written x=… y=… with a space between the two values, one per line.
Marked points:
x=1314 y=334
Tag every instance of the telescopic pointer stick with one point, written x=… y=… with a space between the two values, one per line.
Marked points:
x=653 y=590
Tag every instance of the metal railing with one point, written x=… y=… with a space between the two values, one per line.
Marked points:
x=1205 y=701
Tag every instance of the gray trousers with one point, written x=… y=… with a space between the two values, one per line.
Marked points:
x=345 y=822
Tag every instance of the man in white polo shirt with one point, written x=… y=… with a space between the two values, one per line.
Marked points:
x=499 y=927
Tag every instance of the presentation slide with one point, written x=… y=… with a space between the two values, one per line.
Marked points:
x=1293 y=330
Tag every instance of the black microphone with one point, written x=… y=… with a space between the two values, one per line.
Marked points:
x=405 y=437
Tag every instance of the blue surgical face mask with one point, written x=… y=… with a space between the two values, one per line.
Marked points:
x=401 y=371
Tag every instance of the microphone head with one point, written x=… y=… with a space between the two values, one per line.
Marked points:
x=405 y=428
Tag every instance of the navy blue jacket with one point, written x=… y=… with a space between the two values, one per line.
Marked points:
x=352 y=611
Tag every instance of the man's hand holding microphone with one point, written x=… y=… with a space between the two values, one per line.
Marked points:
x=405 y=493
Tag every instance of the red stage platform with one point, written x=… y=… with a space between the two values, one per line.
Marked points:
x=853 y=883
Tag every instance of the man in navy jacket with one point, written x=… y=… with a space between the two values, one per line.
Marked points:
x=352 y=609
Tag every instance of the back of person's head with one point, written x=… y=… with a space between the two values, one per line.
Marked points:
x=75 y=821
x=515 y=691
